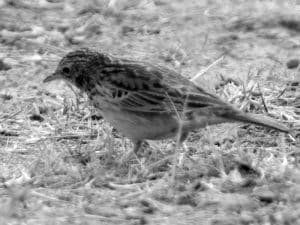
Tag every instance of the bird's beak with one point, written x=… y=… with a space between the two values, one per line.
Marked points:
x=52 y=77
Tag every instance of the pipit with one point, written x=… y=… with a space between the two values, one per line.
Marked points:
x=146 y=101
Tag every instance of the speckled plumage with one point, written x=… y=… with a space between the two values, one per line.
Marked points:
x=146 y=101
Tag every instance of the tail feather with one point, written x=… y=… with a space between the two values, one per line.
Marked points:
x=259 y=120
x=217 y=115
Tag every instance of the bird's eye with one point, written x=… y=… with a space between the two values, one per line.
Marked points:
x=66 y=70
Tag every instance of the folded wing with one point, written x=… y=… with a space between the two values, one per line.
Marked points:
x=141 y=87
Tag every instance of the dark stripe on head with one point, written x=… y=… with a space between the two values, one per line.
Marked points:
x=79 y=56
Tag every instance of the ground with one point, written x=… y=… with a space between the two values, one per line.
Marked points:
x=62 y=164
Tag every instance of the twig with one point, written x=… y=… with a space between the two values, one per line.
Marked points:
x=48 y=197
x=11 y=116
x=263 y=99
x=8 y=133
x=178 y=137
x=193 y=79
x=281 y=93
x=68 y=137
x=160 y=162
x=124 y=187
x=72 y=136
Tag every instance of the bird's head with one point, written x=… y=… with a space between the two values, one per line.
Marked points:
x=76 y=67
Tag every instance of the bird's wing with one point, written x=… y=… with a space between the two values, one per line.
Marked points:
x=142 y=87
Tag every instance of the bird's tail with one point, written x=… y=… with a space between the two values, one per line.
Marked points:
x=221 y=114
x=258 y=120
x=216 y=116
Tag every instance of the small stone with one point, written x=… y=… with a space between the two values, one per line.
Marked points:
x=246 y=218
x=4 y=66
x=186 y=199
x=126 y=30
x=6 y=97
x=292 y=63
x=264 y=194
x=36 y=117
x=133 y=213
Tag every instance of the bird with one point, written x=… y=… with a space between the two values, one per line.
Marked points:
x=146 y=101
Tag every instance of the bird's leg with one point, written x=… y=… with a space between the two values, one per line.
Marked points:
x=182 y=139
x=185 y=148
x=137 y=145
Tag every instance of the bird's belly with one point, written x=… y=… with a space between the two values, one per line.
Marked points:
x=140 y=126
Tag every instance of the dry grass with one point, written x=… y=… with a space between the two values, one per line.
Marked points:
x=62 y=164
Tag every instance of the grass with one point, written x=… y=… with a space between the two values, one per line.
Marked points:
x=62 y=164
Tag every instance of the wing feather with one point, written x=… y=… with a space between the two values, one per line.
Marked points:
x=149 y=88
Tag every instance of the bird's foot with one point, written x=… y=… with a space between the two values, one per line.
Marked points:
x=184 y=155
